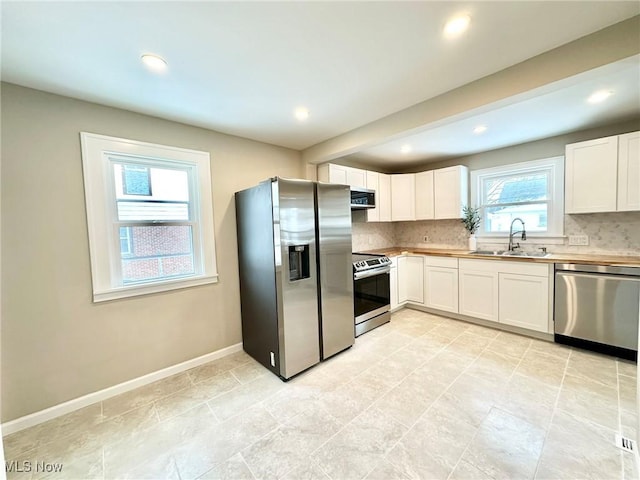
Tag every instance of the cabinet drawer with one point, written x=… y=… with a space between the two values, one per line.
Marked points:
x=479 y=265
x=525 y=268
x=446 y=262
x=503 y=266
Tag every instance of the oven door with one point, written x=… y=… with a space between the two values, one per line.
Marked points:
x=371 y=293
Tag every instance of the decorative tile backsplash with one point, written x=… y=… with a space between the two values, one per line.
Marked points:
x=370 y=236
x=612 y=233
x=609 y=233
x=440 y=233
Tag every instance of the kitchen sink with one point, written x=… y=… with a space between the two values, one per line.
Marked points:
x=506 y=253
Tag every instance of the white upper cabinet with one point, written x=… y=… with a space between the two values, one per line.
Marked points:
x=451 y=191
x=373 y=183
x=591 y=176
x=441 y=193
x=330 y=173
x=424 y=196
x=434 y=194
x=603 y=175
x=403 y=197
x=354 y=177
x=383 y=197
x=629 y=172
x=381 y=183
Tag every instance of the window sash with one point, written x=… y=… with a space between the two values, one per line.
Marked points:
x=513 y=204
x=162 y=215
x=530 y=229
x=161 y=257
x=553 y=168
x=98 y=154
x=117 y=274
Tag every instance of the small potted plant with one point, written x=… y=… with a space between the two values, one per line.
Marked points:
x=471 y=220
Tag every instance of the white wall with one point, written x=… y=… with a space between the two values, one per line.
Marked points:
x=56 y=344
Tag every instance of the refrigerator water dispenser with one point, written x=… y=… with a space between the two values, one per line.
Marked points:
x=298 y=262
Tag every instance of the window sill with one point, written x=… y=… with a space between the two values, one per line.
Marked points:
x=156 y=287
x=531 y=239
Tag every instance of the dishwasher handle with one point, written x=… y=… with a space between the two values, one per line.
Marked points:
x=629 y=278
x=598 y=269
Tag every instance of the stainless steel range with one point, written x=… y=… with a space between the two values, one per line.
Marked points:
x=371 y=291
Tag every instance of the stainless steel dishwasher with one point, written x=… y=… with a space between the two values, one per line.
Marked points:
x=598 y=308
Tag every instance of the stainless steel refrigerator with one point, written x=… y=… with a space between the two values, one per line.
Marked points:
x=296 y=276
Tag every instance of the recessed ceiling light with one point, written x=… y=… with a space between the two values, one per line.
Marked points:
x=405 y=148
x=301 y=113
x=457 y=25
x=599 y=96
x=154 y=62
x=480 y=129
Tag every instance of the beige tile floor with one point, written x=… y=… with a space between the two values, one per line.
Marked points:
x=422 y=397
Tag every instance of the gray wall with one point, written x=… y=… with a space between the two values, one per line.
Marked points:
x=56 y=344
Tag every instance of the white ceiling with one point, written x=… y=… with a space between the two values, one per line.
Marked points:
x=242 y=67
x=554 y=109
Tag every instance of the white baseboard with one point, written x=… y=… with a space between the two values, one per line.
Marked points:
x=91 y=398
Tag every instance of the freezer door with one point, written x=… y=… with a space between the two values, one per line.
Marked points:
x=296 y=275
x=335 y=266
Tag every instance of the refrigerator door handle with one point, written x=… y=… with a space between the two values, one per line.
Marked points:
x=371 y=273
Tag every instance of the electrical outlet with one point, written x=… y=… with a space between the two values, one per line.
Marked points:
x=578 y=239
x=425 y=239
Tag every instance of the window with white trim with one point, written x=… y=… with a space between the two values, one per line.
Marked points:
x=532 y=191
x=150 y=216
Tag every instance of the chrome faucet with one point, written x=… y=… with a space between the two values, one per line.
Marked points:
x=512 y=247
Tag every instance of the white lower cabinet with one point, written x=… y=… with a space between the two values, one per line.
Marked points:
x=513 y=293
x=403 y=280
x=393 y=283
x=524 y=301
x=508 y=292
x=410 y=279
x=479 y=294
x=415 y=278
x=441 y=283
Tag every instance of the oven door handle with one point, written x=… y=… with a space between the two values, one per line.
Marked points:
x=371 y=273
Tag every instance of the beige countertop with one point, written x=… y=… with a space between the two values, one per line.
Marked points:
x=593 y=259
